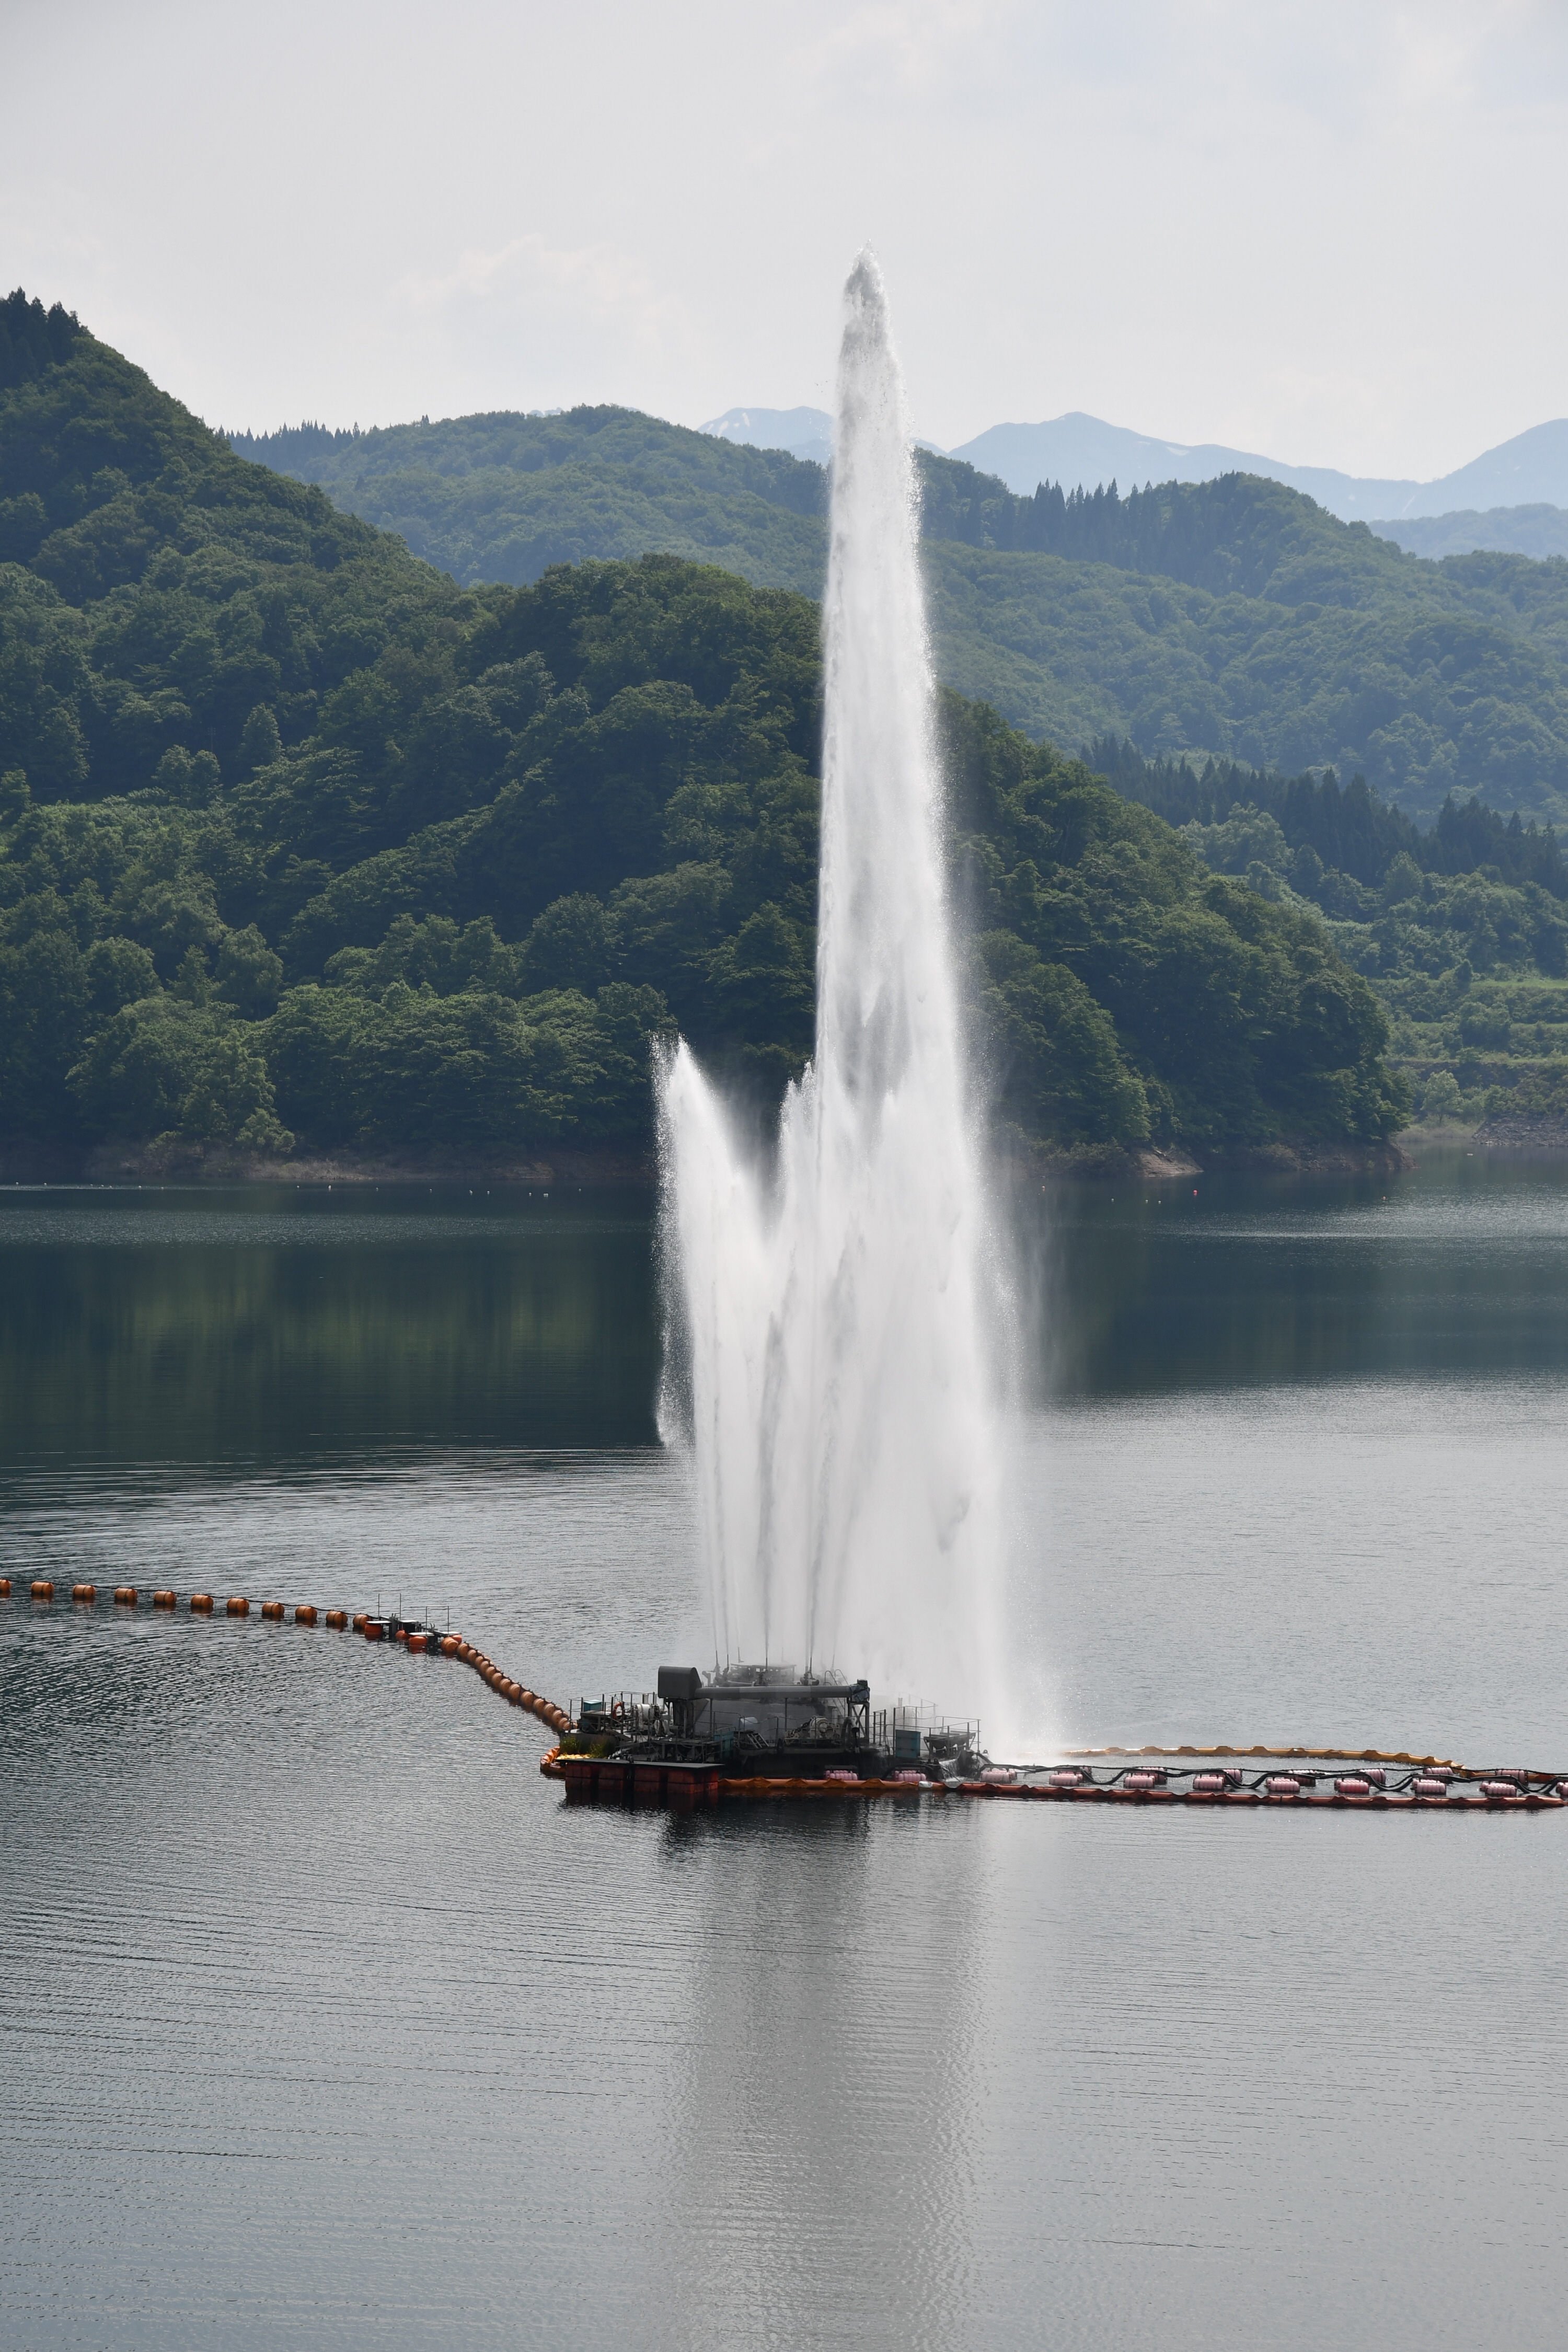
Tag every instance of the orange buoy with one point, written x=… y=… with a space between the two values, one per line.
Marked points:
x=338 y=1618
x=305 y=1614
x=450 y=1646
x=163 y=1599
x=202 y=1603
x=84 y=1592
x=238 y=1607
x=419 y=1643
x=4 y=1588
x=271 y=1609
x=42 y=1588
x=375 y=1630
x=360 y=1622
x=125 y=1595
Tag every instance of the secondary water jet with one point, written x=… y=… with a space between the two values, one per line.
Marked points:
x=827 y=1362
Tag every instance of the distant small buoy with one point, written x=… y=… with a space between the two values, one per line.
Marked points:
x=42 y=1588
x=125 y=1595
x=338 y=1618
x=305 y=1614
x=4 y=1588
x=271 y=1609
x=84 y=1592
x=238 y=1606
x=202 y=1603
x=450 y=1646
x=360 y=1622
x=163 y=1599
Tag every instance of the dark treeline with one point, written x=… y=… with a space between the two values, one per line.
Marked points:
x=1235 y=536
x=293 y=444
x=1348 y=827
x=32 y=338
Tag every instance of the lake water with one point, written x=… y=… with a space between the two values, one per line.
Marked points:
x=325 y=2023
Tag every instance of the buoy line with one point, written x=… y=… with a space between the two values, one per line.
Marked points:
x=420 y=1641
x=1312 y=1755
x=1381 y=1780
x=1358 y=1783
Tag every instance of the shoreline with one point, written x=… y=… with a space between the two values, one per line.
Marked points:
x=604 y=1167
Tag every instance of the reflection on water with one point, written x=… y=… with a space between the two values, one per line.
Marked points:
x=325 y=2023
x=266 y=1322
x=1458 y=1268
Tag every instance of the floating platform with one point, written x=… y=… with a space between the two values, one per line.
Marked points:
x=761 y=1731
x=682 y=1788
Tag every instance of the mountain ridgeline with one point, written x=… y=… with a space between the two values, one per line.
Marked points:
x=1232 y=619
x=302 y=841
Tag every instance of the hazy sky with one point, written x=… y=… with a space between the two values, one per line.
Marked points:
x=1329 y=232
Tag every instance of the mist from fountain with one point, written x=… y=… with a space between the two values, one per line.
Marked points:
x=827 y=1356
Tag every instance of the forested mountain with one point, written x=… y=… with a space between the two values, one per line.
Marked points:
x=1232 y=618
x=1083 y=452
x=301 y=839
x=501 y=498
x=1537 y=530
x=1462 y=930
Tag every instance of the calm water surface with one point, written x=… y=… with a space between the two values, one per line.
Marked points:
x=324 y=2024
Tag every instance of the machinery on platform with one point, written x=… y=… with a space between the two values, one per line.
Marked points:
x=759 y=1723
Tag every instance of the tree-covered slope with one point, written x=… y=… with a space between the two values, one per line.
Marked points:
x=1233 y=617
x=503 y=497
x=1462 y=930
x=1422 y=699
x=298 y=839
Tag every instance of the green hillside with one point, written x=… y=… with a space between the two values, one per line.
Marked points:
x=300 y=840
x=1462 y=931
x=1234 y=617
x=501 y=498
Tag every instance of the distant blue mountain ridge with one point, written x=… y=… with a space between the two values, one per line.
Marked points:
x=1513 y=497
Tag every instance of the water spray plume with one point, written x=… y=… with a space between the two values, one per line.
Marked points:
x=827 y=1362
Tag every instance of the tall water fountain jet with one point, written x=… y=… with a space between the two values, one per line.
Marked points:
x=826 y=1356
